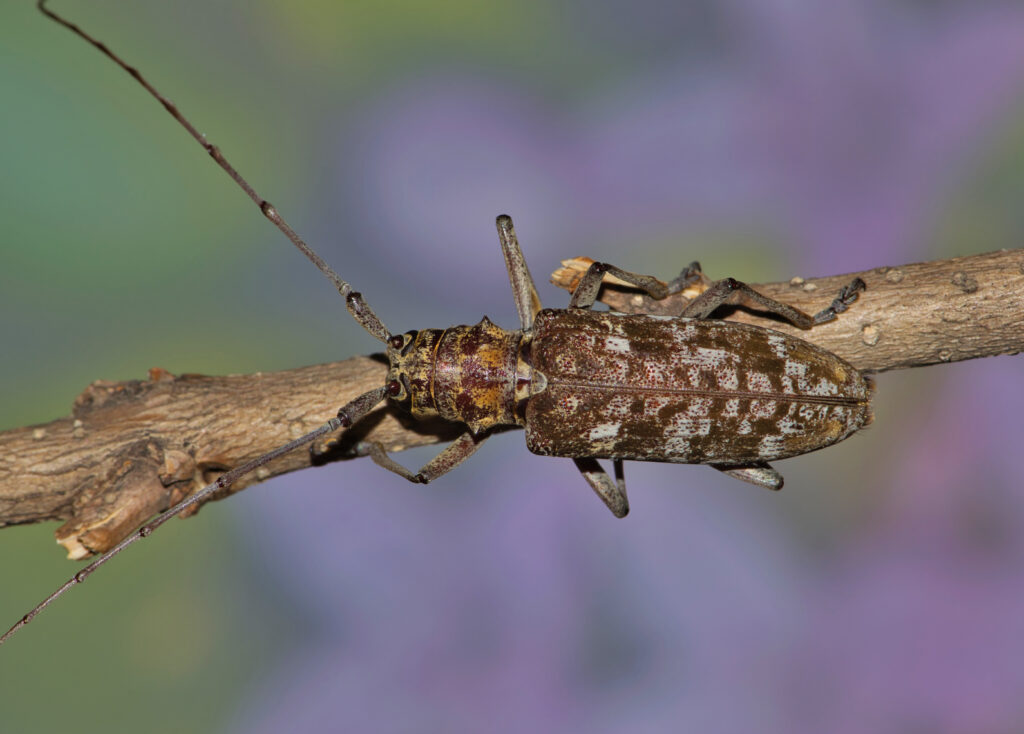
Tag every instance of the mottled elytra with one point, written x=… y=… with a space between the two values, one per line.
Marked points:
x=584 y=385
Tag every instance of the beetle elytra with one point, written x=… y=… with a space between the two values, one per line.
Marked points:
x=585 y=385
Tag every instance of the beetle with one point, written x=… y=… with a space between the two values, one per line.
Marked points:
x=584 y=385
x=588 y=385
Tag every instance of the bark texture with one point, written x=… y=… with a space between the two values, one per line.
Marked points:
x=132 y=449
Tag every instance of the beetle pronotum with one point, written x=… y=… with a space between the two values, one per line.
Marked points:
x=585 y=385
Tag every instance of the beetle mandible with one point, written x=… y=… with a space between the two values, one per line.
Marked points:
x=584 y=384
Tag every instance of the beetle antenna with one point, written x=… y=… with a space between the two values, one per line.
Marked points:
x=222 y=482
x=268 y=209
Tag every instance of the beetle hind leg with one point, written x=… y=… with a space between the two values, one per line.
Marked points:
x=613 y=494
x=722 y=290
x=760 y=473
x=690 y=275
x=847 y=295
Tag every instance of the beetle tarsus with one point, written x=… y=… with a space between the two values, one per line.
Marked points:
x=690 y=275
x=848 y=294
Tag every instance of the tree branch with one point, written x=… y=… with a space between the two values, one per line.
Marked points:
x=131 y=449
x=910 y=315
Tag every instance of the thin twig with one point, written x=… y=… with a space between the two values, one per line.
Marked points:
x=131 y=449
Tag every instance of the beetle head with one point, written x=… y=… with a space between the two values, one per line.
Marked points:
x=411 y=358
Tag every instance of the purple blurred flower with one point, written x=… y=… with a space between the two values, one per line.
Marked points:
x=510 y=606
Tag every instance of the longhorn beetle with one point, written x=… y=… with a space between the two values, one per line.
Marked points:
x=585 y=385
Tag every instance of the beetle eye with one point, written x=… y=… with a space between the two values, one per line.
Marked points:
x=394 y=387
x=396 y=341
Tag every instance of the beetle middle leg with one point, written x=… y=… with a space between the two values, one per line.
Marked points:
x=589 y=286
x=612 y=494
x=690 y=275
x=453 y=454
x=586 y=291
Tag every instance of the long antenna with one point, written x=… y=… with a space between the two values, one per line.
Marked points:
x=222 y=482
x=360 y=310
x=268 y=209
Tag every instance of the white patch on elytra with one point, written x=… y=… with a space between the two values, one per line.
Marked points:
x=789 y=427
x=758 y=382
x=711 y=357
x=654 y=404
x=616 y=344
x=796 y=369
x=744 y=427
x=771 y=445
x=604 y=430
x=654 y=370
x=728 y=379
x=824 y=387
x=699 y=407
x=762 y=408
x=732 y=408
x=778 y=345
x=684 y=426
x=684 y=335
x=677 y=446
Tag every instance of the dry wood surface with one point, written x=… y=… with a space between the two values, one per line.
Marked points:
x=132 y=449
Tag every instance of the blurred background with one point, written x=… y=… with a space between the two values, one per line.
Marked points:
x=882 y=590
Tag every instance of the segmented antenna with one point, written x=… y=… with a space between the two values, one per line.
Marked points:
x=360 y=310
x=222 y=482
x=268 y=209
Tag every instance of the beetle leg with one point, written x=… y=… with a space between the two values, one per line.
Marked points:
x=318 y=451
x=759 y=473
x=613 y=495
x=690 y=275
x=704 y=305
x=590 y=284
x=847 y=295
x=523 y=290
x=453 y=454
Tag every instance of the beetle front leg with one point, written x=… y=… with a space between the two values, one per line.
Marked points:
x=453 y=454
x=760 y=474
x=613 y=495
x=589 y=286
